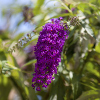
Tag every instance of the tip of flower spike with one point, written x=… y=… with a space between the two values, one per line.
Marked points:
x=57 y=20
x=44 y=86
x=38 y=89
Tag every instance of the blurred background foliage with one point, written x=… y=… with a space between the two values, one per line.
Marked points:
x=78 y=75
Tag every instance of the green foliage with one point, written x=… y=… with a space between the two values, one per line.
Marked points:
x=78 y=75
x=5 y=86
x=90 y=95
x=57 y=89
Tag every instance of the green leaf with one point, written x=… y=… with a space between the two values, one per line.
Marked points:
x=5 y=87
x=81 y=6
x=1 y=45
x=69 y=48
x=88 y=85
x=32 y=93
x=37 y=8
x=90 y=69
x=18 y=36
x=90 y=95
x=61 y=15
x=72 y=33
x=63 y=4
x=76 y=86
x=30 y=62
x=88 y=29
x=0 y=67
x=2 y=56
x=97 y=48
x=17 y=78
x=39 y=3
x=57 y=90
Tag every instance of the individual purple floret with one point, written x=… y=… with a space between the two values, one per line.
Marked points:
x=48 y=52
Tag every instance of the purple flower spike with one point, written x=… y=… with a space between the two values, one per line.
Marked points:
x=48 y=52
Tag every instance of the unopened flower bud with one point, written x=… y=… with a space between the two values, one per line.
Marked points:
x=16 y=44
x=19 y=40
x=23 y=38
x=34 y=31
x=74 y=21
x=28 y=34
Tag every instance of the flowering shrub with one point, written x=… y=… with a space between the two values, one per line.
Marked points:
x=78 y=73
x=48 y=52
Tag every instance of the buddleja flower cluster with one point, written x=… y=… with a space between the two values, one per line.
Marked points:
x=48 y=52
x=74 y=21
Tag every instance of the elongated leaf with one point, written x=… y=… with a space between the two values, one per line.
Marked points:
x=57 y=91
x=5 y=87
x=38 y=4
x=17 y=79
x=90 y=95
x=88 y=29
x=76 y=86
x=97 y=48
x=30 y=62
x=1 y=45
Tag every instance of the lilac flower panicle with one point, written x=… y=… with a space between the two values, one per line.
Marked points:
x=48 y=52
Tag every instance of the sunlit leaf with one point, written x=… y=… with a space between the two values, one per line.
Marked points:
x=5 y=87
x=97 y=48
x=92 y=95
x=30 y=62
